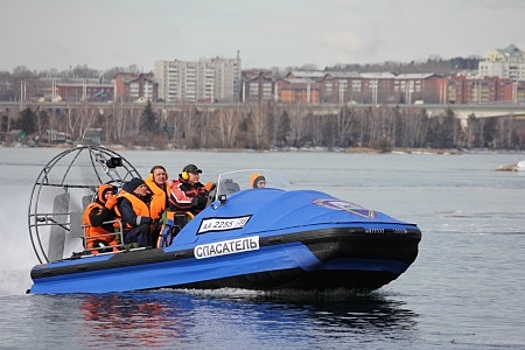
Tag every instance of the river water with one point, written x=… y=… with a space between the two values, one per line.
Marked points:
x=464 y=291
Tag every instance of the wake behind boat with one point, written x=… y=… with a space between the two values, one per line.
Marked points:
x=264 y=239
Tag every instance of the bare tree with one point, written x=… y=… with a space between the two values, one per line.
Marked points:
x=471 y=130
x=344 y=124
x=297 y=114
x=189 y=124
x=72 y=120
x=207 y=132
x=227 y=125
x=120 y=121
x=317 y=130
x=257 y=127
x=505 y=131
x=42 y=119
x=87 y=117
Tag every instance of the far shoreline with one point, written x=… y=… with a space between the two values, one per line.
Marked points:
x=349 y=150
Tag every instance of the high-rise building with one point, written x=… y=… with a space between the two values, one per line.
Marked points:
x=204 y=81
x=504 y=63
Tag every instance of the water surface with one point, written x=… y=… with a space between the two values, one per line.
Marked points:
x=465 y=290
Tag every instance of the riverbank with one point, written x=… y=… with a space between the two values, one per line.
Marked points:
x=351 y=150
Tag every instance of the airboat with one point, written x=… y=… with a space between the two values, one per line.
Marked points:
x=268 y=238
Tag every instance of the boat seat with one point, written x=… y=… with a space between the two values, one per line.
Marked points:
x=175 y=221
x=76 y=224
x=76 y=217
x=86 y=200
x=228 y=186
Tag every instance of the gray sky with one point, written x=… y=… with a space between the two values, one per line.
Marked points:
x=44 y=34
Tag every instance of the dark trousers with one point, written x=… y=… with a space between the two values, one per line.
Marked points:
x=140 y=235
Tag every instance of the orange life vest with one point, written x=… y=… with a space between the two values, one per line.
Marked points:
x=97 y=233
x=159 y=198
x=139 y=207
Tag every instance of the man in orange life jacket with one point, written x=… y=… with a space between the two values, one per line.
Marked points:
x=135 y=212
x=160 y=190
x=99 y=211
x=157 y=182
x=187 y=193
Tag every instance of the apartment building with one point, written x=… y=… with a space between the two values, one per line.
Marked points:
x=380 y=87
x=340 y=87
x=299 y=90
x=503 y=63
x=464 y=89
x=135 y=87
x=425 y=87
x=257 y=86
x=207 y=80
x=124 y=87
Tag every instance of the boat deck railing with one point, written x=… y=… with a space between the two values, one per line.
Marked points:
x=104 y=237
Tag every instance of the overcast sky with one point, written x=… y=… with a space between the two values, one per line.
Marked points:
x=44 y=34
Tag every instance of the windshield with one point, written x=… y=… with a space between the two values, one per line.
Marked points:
x=239 y=180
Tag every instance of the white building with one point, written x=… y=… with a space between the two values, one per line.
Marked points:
x=504 y=63
x=206 y=80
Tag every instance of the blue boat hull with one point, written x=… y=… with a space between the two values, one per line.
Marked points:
x=343 y=257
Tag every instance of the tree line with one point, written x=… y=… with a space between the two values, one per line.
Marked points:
x=264 y=127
